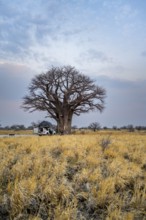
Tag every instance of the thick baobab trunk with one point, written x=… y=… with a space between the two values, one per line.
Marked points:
x=64 y=124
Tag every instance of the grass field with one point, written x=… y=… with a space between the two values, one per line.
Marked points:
x=86 y=176
x=26 y=132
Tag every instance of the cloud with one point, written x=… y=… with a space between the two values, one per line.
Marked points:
x=126 y=12
x=125 y=16
x=72 y=32
x=93 y=55
x=38 y=37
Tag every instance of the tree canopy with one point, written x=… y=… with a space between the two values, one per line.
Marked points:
x=94 y=126
x=63 y=92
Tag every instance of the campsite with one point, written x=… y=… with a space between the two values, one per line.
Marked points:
x=73 y=110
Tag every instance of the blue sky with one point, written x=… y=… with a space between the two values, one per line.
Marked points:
x=105 y=39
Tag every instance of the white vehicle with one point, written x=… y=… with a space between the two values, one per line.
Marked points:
x=44 y=128
x=43 y=131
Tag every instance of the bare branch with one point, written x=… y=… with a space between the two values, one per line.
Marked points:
x=63 y=92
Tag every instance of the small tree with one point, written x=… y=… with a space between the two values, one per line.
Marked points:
x=95 y=126
x=130 y=128
x=62 y=93
x=115 y=127
x=17 y=127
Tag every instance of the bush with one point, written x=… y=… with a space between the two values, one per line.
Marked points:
x=105 y=142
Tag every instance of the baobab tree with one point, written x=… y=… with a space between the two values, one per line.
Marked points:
x=63 y=92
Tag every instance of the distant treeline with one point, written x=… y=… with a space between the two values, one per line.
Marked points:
x=16 y=127
x=91 y=127
x=127 y=127
x=130 y=128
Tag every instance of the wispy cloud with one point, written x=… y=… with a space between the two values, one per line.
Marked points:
x=39 y=34
x=125 y=16
x=61 y=32
x=93 y=55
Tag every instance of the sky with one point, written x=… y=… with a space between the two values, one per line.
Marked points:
x=104 y=39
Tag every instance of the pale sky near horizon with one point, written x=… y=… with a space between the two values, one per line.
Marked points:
x=104 y=39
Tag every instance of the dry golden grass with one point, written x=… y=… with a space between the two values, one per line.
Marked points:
x=91 y=176
x=6 y=132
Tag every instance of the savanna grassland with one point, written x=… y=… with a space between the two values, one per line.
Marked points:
x=19 y=132
x=73 y=177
